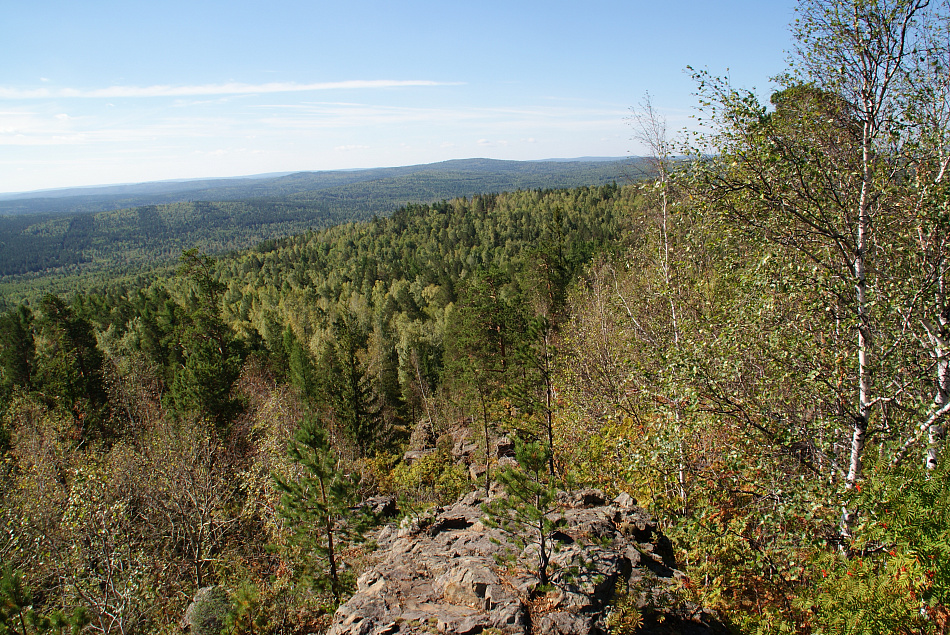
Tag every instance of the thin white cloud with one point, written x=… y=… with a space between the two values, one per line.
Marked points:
x=233 y=88
x=294 y=122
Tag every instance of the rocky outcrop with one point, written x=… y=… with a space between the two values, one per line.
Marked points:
x=446 y=572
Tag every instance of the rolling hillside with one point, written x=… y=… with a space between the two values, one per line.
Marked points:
x=45 y=243
x=447 y=179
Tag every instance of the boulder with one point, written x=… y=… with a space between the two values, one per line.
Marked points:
x=464 y=446
x=476 y=471
x=504 y=447
x=582 y=498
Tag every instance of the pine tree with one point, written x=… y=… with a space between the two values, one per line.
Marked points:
x=18 y=617
x=17 y=349
x=532 y=389
x=316 y=505
x=480 y=344
x=525 y=513
x=68 y=364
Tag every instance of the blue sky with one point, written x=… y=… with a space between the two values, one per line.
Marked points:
x=110 y=91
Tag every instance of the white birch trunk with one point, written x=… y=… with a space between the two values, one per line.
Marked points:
x=863 y=415
x=936 y=431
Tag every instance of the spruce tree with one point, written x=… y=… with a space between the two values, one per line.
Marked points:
x=347 y=386
x=212 y=355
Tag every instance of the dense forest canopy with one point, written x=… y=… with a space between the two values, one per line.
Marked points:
x=754 y=345
x=72 y=242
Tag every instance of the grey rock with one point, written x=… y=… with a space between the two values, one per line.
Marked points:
x=624 y=502
x=464 y=447
x=467 y=583
x=582 y=498
x=476 y=471
x=564 y=623
x=473 y=499
x=412 y=456
x=507 y=461
x=447 y=522
x=437 y=572
x=504 y=447
x=380 y=506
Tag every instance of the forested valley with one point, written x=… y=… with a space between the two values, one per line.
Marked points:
x=65 y=241
x=753 y=345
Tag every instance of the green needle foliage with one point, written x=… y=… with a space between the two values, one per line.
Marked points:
x=247 y=616
x=346 y=382
x=525 y=513
x=17 y=615
x=317 y=507
x=212 y=357
x=68 y=364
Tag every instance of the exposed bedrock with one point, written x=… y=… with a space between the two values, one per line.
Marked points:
x=446 y=572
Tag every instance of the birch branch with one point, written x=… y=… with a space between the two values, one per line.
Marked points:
x=902 y=453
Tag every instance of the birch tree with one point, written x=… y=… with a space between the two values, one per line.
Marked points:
x=650 y=131
x=823 y=179
x=927 y=196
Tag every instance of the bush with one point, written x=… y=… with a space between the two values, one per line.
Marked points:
x=207 y=612
x=433 y=478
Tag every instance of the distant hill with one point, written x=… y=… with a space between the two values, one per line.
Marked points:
x=447 y=179
x=127 y=228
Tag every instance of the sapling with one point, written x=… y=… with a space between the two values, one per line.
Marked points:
x=525 y=514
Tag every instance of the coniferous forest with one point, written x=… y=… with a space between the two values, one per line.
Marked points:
x=753 y=345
